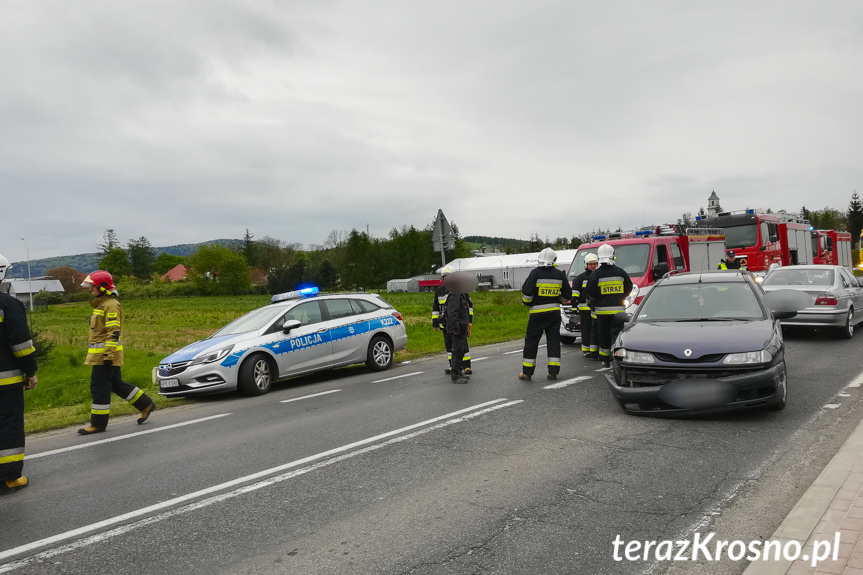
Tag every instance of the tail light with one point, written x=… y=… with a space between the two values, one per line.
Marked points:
x=397 y=315
x=825 y=299
x=638 y=300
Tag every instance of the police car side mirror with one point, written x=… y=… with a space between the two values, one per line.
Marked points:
x=290 y=324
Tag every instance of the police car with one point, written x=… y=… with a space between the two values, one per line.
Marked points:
x=298 y=332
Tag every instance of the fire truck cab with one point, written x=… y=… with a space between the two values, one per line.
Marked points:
x=761 y=239
x=832 y=248
x=646 y=256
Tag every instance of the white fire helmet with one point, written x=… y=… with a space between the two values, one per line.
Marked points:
x=4 y=266
x=605 y=254
x=547 y=257
x=446 y=271
x=590 y=259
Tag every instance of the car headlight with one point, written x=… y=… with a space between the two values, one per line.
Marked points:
x=212 y=356
x=748 y=357
x=633 y=356
x=628 y=300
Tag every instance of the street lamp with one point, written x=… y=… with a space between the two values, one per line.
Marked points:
x=29 y=285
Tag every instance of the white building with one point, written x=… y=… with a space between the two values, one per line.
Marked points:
x=22 y=288
x=502 y=271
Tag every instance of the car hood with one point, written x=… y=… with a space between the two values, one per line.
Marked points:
x=702 y=338
x=194 y=349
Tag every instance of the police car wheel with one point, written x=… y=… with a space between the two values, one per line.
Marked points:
x=380 y=355
x=256 y=375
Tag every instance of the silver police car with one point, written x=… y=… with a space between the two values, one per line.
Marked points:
x=298 y=332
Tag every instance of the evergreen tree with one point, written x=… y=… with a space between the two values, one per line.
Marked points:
x=250 y=250
x=109 y=242
x=854 y=217
x=141 y=258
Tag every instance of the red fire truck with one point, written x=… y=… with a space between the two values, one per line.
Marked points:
x=832 y=248
x=761 y=239
x=647 y=255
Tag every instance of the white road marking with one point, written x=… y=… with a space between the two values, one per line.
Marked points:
x=560 y=384
x=240 y=489
x=28 y=457
x=398 y=377
x=857 y=382
x=512 y=352
x=479 y=358
x=832 y=405
x=308 y=396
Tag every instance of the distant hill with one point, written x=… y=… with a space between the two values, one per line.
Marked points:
x=89 y=262
x=498 y=242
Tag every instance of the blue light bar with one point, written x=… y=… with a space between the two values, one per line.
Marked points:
x=644 y=233
x=600 y=238
x=698 y=218
x=305 y=292
x=750 y=211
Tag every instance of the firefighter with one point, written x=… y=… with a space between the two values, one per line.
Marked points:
x=439 y=322
x=730 y=262
x=105 y=354
x=458 y=325
x=607 y=288
x=545 y=288
x=17 y=373
x=589 y=346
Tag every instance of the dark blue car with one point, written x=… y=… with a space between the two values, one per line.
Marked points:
x=701 y=342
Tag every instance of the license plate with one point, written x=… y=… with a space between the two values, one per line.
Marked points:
x=169 y=383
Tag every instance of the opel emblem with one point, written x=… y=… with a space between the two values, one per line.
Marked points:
x=687 y=352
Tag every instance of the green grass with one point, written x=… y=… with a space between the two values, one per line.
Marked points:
x=156 y=328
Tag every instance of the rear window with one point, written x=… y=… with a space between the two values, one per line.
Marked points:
x=791 y=276
x=700 y=301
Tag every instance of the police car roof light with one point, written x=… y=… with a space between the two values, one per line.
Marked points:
x=644 y=233
x=305 y=292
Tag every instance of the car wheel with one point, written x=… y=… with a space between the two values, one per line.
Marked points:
x=567 y=340
x=847 y=332
x=256 y=375
x=380 y=355
x=781 y=391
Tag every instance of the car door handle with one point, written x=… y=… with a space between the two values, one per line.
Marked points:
x=322 y=330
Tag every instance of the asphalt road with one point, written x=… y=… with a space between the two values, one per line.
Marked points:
x=404 y=472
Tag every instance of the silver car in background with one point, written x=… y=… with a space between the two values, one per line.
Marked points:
x=836 y=296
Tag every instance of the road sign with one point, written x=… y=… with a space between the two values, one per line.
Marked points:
x=443 y=236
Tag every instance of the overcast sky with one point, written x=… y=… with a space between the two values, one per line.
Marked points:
x=185 y=121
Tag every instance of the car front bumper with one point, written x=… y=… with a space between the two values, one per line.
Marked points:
x=197 y=380
x=754 y=389
x=570 y=323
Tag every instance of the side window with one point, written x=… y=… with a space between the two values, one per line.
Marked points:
x=660 y=254
x=362 y=306
x=306 y=313
x=677 y=255
x=846 y=281
x=765 y=233
x=339 y=308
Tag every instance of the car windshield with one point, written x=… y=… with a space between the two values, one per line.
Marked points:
x=741 y=236
x=791 y=276
x=700 y=301
x=252 y=321
x=633 y=258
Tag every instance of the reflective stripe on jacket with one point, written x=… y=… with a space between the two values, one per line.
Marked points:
x=17 y=354
x=608 y=287
x=545 y=289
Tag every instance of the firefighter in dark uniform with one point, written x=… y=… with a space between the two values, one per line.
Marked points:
x=105 y=354
x=439 y=321
x=730 y=262
x=545 y=288
x=17 y=373
x=458 y=326
x=579 y=296
x=608 y=287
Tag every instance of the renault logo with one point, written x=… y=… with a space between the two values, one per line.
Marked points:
x=687 y=352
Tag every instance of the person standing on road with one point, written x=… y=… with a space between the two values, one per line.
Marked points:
x=17 y=373
x=545 y=288
x=730 y=262
x=579 y=296
x=105 y=354
x=608 y=287
x=458 y=326
x=439 y=321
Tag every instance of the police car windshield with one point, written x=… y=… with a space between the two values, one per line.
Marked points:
x=252 y=321
x=701 y=301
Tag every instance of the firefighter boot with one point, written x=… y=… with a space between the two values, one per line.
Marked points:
x=90 y=430
x=524 y=376
x=12 y=485
x=459 y=378
x=145 y=413
x=468 y=371
x=551 y=376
